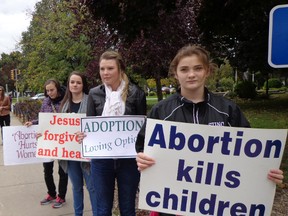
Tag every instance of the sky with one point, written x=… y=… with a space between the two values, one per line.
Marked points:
x=15 y=17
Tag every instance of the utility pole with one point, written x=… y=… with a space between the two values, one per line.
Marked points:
x=14 y=76
x=7 y=90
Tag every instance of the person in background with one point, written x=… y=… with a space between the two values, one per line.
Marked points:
x=5 y=105
x=75 y=101
x=115 y=97
x=54 y=94
x=194 y=103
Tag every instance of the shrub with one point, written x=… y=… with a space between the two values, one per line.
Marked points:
x=165 y=91
x=27 y=110
x=226 y=84
x=152 y=93
x=246 y=89
x=273 y=83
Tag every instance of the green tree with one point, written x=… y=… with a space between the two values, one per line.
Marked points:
x=238 y=30
x=9 y=62
x=49 y=46
x=223 y=78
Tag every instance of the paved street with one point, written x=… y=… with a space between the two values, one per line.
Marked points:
x=22 y=187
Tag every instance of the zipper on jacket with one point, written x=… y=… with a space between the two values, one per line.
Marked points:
x=195 y=114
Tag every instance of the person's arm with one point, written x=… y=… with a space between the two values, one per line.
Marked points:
x=141 y=103
x=91 y=111
x=238 y=119
x=276 y=175
x=139 y=145
x=6 y=104
x=144 y=161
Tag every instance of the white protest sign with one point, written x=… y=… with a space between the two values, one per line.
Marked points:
x=210 y=170
x=20 y=145
x=58 y=140
x=111 y=137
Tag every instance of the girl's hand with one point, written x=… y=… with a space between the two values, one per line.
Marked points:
x=28 y=124
x=80 y=136
x=38 y=135
x=276 y=175
x=144 y=161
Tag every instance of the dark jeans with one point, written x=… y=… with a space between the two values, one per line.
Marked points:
x=4 y=121
x=49 y=180
x=104 y=172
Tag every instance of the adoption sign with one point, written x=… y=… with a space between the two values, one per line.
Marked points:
x=20 y=145
x=210 y=170
x=111 y=137
x=58 y=140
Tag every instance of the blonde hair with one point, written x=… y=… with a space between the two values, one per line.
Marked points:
x=110 y=54
x=190 y=50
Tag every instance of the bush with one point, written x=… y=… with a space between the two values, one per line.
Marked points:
x=273 y=83
x=283 y=88
x=246 y=89
x=152 y=93
x=27 y=110
x=165 y=91
x=226 y=84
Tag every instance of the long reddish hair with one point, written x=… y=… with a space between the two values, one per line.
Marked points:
x=2 y=93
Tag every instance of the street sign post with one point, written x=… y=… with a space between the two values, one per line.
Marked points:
x=278 y=37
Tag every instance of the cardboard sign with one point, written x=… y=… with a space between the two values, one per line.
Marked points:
x=58 y=140
x=210 y=170
x=20 y=145
x=111 y=137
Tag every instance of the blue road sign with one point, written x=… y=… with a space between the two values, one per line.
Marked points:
x=278 y=37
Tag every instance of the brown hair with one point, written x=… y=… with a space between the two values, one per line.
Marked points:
x=56 y=83
x=110 y=54
x=68 y=95
x=190 y=50
x=2 y=94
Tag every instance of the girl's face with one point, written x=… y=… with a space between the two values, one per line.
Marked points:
x=51 y=90
x=75 y=84
x=191 y=74
x=109 y=73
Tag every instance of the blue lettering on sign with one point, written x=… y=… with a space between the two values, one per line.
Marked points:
x=190 y=201
x=227 y=145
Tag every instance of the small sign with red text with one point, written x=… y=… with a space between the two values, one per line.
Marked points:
x=58 y=140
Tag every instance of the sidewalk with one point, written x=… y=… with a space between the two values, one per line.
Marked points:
x=22 y=187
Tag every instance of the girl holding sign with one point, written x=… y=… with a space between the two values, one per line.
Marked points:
x=54 y=94
x=75 y=101
x=115 y=97
x=193 y=103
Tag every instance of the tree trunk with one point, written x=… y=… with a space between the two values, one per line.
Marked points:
x=267 y=86
x=158 y=88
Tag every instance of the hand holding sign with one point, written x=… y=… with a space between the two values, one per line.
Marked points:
x=144 y=161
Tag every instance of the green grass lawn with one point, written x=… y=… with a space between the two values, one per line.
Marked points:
x=266 y=113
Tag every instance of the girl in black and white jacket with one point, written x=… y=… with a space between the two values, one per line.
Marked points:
x=193 y=103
